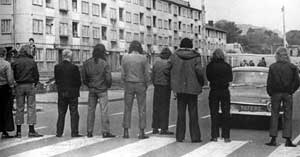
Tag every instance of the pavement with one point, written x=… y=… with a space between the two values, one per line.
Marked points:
x=51 y=98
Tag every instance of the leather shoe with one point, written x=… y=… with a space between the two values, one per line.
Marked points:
x=166 y=132
x=108 y=135
x=89 y=134
x=58 y=135
x=155 y=131
x=143 y=136
x=18 y=135
x=34 y=134
x=5 y=136
x=214 y=139
x=126 y=133
x=289 y=143
x=76 y=135
x=227 y=140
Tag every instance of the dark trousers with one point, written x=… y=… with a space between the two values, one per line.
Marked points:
x=161 y=107
x=287 y=101
x=63 y=103
x=190 y=101
x=216 y=98
x=6 y=106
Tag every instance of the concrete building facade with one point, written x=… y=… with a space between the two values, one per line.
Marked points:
x=80 y=24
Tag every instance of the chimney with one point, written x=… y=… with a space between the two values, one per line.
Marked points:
x=211 y=23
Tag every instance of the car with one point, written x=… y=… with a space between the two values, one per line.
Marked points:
x=248 y=92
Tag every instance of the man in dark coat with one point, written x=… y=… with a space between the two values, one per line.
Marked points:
x=27 y=77
x=162 y=94
x=219 y=74
x=68 y=81
x=6 y=85
x=283 y=81
x=186 y=81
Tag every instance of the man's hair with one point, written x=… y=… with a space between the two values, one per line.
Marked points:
x=99 y=52
x=281 y=54
x=31 y=39
x=186 y=43
x=3 y=52
x=165 y=53
x=135 y=46
x=25 y=50
x=67 y=54
x=218 y=54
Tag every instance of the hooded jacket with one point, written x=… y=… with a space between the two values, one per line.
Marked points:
x=186 y=72
x=282 y=78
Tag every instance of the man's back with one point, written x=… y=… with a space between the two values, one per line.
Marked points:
x=25 y=70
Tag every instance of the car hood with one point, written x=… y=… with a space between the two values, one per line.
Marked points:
x=249 y=93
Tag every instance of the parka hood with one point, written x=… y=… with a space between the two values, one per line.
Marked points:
x=186 y=53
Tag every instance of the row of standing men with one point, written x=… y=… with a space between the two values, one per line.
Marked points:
x=180 y=72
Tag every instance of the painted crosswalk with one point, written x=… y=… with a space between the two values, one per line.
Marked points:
x=132 y=148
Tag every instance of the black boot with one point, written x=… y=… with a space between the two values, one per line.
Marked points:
x=142 y=134
x=5 y=135
x=289 y=143
x=32 y=132
x=18 y=133
x=126 y=134
x=272 y=142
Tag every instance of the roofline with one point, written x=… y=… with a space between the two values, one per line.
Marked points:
x=214 y=28
x=182 y=5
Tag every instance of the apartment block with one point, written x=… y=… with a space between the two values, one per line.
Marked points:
x=80 y=24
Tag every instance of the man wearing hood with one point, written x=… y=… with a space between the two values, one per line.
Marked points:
x=283 y=81
x=186 y=81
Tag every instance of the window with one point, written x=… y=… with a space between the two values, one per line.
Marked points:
x=121 y=14
x=49 y=3
x=121 y=34
x=113 y=35
x=96 y=32
x=113 y=13
x=154 y=39
x=63 y=4
x=96 y=9
x=170 y=40
x=184 y=28
x=74 y=5
x=154 y=4
x=38 y=55
x=85 y=7
x=128 y=37
x=148 y=4
x=104 y=33
x=154 y=21
x=142 y=36
x=50 y=55
x=166 y=24
x=128 y=17
x=35 y=2
x=142 y=2
x=63 y=29
x=175 y=10
x=85 y=33
x=5 y=2
x=86 y=54
x=170 y=24
x=37 y=26
x=142 y=18
x=136 y=19
x=76 y=55
x=135 y=1
x=49 y=26
x=75 y=29
x=136 y=36
x=159 y=23
x=148 y=20
x=5 y=26
x=103 y=10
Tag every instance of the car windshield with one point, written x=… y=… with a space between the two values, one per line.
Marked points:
x=249 y=78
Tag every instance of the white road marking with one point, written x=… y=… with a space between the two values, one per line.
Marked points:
x=19 y=141
x=216 y=149
x=39 y=128
x=139 y=148
x=204 y=117
x=115 y=114
x=61 y=147
x=283 y=151
x=170 y=126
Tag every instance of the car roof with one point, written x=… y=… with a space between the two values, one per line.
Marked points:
x=251 y=68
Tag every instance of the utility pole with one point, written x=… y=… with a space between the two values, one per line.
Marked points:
x=204 y=49
x=14 y=21
x=283 y=20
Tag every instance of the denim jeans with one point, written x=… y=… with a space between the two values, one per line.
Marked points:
x=25 y=91
x=132 y=90
x=287 y=101
x=94 y=96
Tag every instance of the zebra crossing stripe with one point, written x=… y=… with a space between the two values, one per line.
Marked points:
x=216 y=149
x=139 y=148
x=61 y=147
x=19 y=141
x=283 y=151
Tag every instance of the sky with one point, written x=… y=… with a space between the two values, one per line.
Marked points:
x=265 y=13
